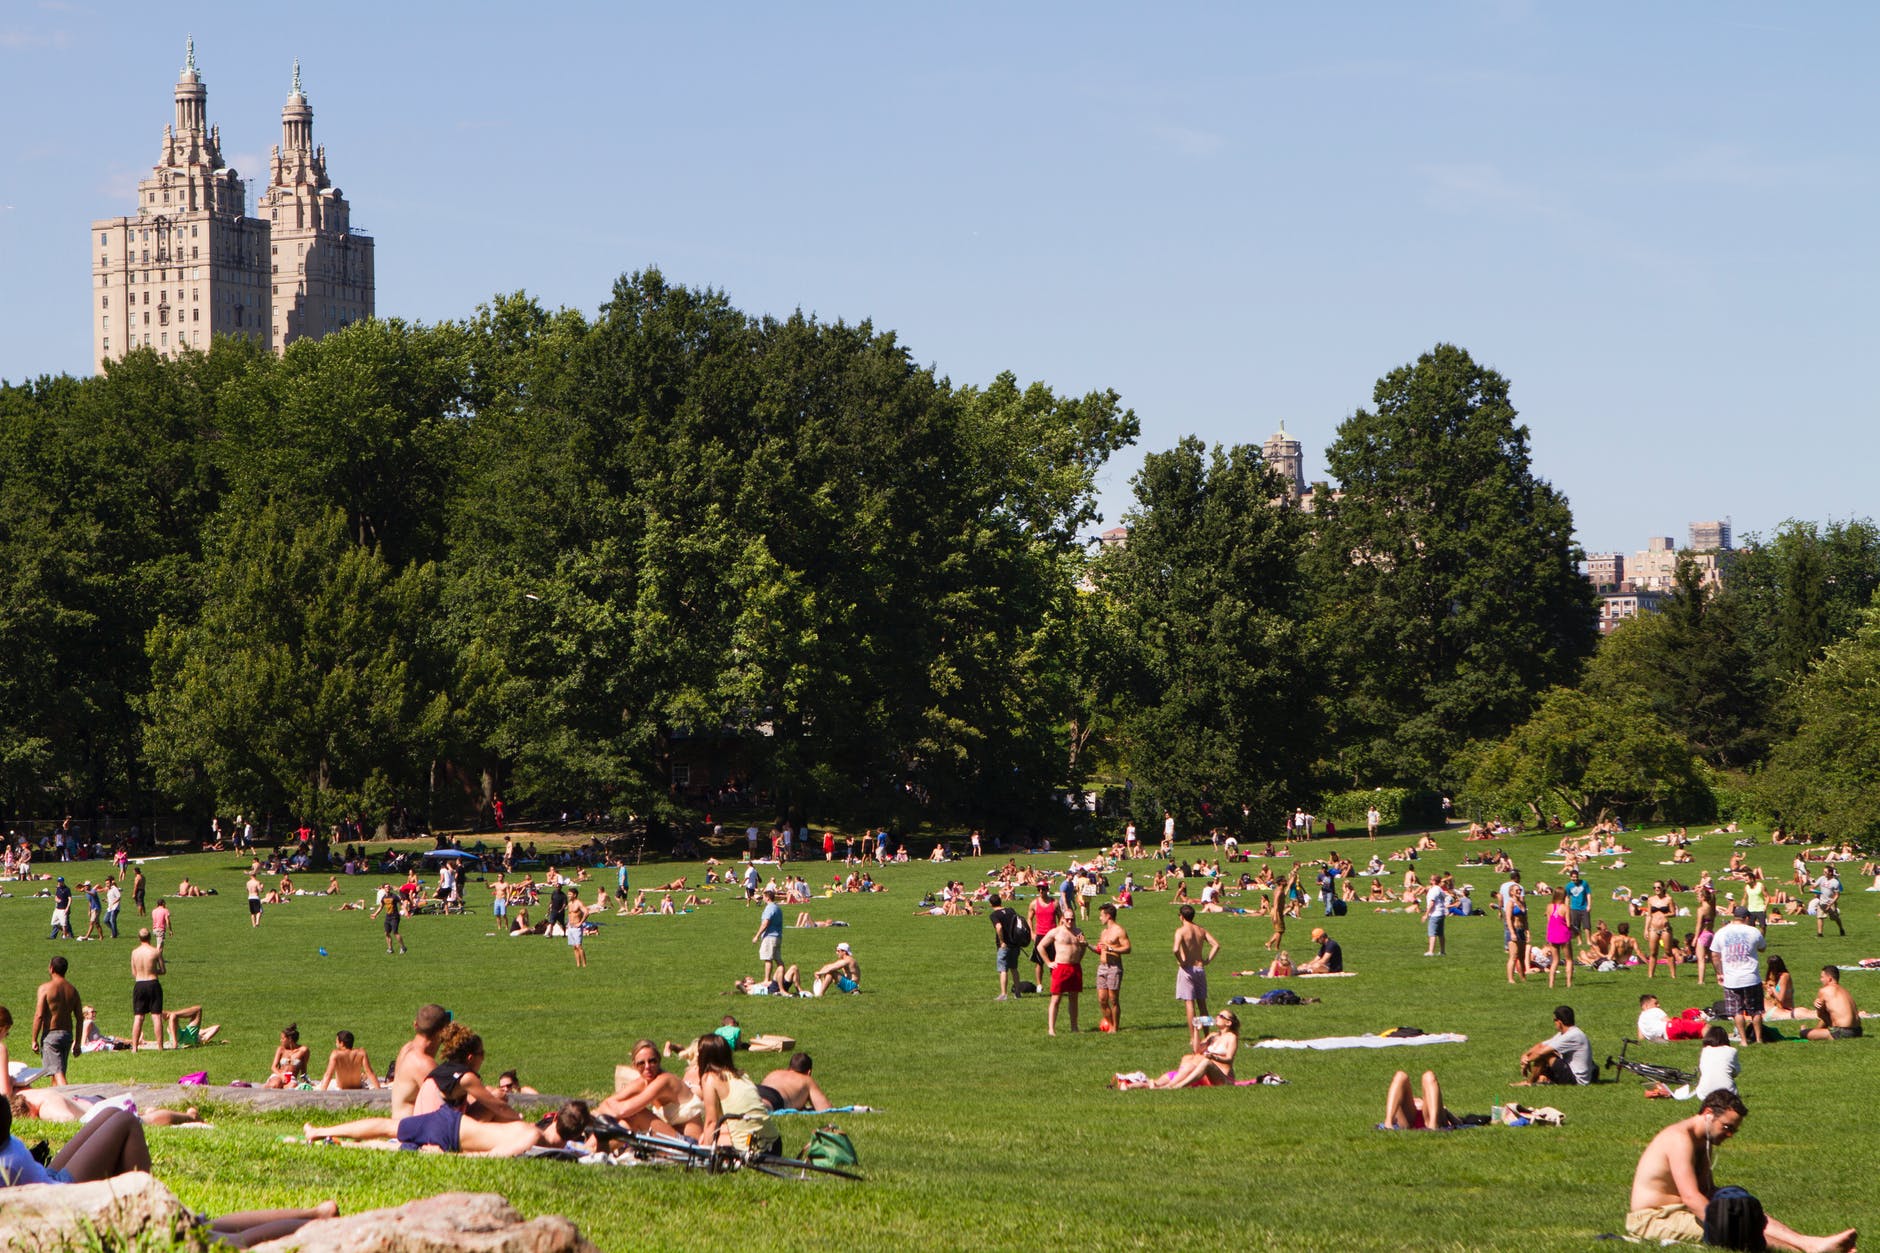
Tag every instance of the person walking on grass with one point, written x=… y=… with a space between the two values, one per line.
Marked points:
x=769 y=937
x=254 y=901
x=390 y=906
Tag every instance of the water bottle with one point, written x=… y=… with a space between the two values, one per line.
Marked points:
x=1204 y=1021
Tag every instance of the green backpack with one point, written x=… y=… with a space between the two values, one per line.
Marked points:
x=830 y=1147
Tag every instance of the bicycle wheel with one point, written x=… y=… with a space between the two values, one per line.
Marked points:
x=773 y=1164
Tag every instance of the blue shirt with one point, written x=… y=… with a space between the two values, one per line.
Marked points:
x=17 y=1167
x=1579 y=894
x=773 y=919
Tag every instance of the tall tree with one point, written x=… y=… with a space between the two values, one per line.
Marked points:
x=1446 y=571
x=309 y=684
x=1210 y=586
x=1825 y=780
x=1692 y=665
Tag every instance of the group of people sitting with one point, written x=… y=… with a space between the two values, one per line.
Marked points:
x=441 y=1103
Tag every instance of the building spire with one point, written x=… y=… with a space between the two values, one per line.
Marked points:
x=296 y=90
x=189 y=58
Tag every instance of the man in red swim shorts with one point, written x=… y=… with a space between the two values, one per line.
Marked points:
x=1063 y=946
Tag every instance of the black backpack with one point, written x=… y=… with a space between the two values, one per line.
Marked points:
x=1018 y=933
x=1734 y=1220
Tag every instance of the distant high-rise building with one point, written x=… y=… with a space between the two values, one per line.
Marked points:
x=1287 y=458
x=1710 y=537
x=191 y=264
x=320 y=267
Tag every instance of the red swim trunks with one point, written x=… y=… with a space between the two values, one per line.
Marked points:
x=1066 y=978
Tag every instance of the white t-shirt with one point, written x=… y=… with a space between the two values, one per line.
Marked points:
x=1716 y=1070
x=1651 y=1023
x=1736 y=946
x=1436 y=902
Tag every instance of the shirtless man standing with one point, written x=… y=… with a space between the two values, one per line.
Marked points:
x=1840 y=1017
x=55 y=1017
x=1064 y=946
x=146 y=991
x=1194 y=948
x=1673 y=1183
x=1112 y=943
x=254 y=901
x=577 y=926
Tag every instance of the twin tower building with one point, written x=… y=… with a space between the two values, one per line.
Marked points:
x=191 y=263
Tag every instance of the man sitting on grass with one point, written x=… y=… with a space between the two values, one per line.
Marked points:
x=1840 y=1017
x=1565 y=1057
x=1672 y=1187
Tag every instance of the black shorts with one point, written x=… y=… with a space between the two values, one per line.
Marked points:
x=391 y=924
x=1846 y=1033
x=254 y=904
x=146 y=997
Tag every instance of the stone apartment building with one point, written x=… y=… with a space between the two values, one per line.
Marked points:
x=191 y=263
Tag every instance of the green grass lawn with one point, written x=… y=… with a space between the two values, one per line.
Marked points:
x=992 y=1135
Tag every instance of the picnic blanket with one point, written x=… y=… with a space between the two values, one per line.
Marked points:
x=1324 y=1043
x=1254 y=974
x=833 y=1109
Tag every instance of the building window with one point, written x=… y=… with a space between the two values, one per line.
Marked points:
x=192 y=252
x=107 y=301
x=195 y=315
x=192 y=232
x=146 y=323
x=163 y=340
x=107 y=321
x=146 y=293
x=107 y=345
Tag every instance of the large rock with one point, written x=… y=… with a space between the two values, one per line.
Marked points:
x=129 y=1204
x=456 y=1222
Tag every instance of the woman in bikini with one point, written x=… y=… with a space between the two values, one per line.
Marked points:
x=1779 y=991
x=1404 y=1112
x=1705 y=922
x=1658 y=911
x=653 y=1100
x=290 y=1060
x=1213 y=1066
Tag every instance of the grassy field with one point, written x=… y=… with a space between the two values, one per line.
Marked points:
x=993 y=1135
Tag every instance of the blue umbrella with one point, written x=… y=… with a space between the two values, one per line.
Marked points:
x=452 y=854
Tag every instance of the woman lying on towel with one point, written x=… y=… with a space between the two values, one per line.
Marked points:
x=1404 y=1112
x=1213 y=1066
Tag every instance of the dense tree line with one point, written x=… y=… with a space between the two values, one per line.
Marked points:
x=558 y=556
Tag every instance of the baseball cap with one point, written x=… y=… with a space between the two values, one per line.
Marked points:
x=843 y=947
x=1741 y=911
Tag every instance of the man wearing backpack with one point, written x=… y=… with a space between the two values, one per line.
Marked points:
x=1009 y=936
x=1672 y=1189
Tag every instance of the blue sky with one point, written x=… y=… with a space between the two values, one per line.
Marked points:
x=1657 y=220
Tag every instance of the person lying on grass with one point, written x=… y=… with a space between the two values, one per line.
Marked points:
x=54 y=1105
x=456 y=1113
x=1405 y=1112
x=112 y=1145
